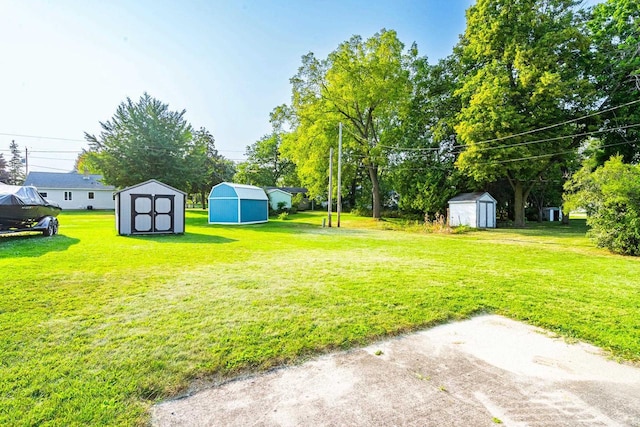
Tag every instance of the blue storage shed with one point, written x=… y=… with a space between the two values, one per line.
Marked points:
x=231 y=203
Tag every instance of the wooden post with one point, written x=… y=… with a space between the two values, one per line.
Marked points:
x=330 y=186
x=339 y=207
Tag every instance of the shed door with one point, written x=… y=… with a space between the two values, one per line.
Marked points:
x=152 y=214
x=485 y=219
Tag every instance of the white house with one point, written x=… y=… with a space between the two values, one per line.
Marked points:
x=477 y=210
x=278 y=196
x=72 y=190
x=151 y=207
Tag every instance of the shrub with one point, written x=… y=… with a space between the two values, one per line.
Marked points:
x=283 y=216
x=610 y=195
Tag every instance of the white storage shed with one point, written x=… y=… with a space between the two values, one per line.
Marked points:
x=552 y=213
x=150 y=207
x=278 y=196
x=477 y=210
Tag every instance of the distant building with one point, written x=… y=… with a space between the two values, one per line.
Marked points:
x=72 y=190
x=277 y=198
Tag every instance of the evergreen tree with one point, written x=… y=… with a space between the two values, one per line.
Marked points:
x=16 y=165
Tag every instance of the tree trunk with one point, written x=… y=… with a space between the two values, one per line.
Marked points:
x=518 y=204
x=565 y=219
x=375 y=191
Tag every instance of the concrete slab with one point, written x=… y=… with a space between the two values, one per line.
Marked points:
x=481 y=372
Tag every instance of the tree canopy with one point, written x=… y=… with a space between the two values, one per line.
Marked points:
x=614 y=28
x=206 y=166
x=364 y=84
x=522 y=72
x=611 y=196
x=143 y=140
x=265 y=165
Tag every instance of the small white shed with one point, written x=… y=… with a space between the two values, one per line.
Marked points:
x=150 y=207
x=551 y=213
x=277 y=196
x=477 y=210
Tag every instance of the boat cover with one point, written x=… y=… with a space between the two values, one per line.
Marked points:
x=18 y=195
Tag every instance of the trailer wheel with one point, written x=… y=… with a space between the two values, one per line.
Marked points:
x=50 y=230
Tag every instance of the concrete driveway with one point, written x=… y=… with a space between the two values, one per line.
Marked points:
x=486 y=371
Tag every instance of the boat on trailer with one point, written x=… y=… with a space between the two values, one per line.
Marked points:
x=22 y=208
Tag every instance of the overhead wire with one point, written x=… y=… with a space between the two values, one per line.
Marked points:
x=537 y=141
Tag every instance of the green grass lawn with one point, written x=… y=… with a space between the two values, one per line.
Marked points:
x=95 y=327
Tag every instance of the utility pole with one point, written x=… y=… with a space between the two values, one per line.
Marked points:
x=26 y=161
x=330 y=184
x=339 y=207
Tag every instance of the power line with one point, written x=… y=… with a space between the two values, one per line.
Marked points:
x=50 y=168
x=541 y=156
x=537 y=141
x=41 y=137
x=558 y=124
x=534 y=131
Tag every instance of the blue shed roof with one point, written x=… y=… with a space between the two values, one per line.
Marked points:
x=241 y=191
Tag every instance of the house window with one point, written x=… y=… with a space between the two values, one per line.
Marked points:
x=44 y=194
x=91 y=195
x=67 y=195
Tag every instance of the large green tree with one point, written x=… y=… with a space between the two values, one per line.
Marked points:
x=523 y=66
x=423 y=168
x=265 y=165
x=206 y=166
x=143 y=140
x=363 y=84
x=615 y=33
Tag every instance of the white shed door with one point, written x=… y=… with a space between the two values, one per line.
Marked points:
x=164 y=214
x=487 y=215
x=152 y=214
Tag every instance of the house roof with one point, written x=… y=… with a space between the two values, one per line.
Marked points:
x=69 y=180
x=471 y=197
x=279 y=190
x=290 y=190
x=149 y=182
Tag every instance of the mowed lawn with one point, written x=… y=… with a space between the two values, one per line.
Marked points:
x=95 y=328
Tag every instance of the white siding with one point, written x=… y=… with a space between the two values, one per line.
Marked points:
x=102 y=199
x=124 y=208
x=462 y=214
x=278 y=196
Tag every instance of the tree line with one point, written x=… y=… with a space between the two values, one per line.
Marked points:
x=533 y=92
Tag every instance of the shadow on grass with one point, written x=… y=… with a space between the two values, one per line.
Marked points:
x=187 y=237
x=30 y=244
x=575 y=228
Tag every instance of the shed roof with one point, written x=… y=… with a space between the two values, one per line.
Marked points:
x=66 y=180
x=149 y=182
x=243 y=191
x=471 y=197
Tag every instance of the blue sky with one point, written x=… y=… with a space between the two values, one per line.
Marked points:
x=66 y=65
